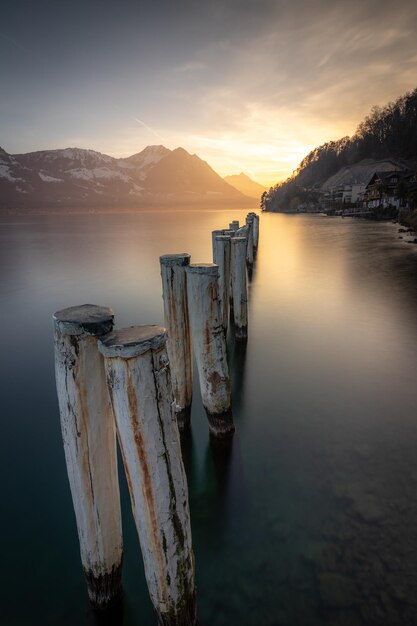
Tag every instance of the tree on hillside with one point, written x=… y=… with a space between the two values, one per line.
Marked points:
x=387 y=132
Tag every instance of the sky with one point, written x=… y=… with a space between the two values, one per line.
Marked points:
x=249 y=86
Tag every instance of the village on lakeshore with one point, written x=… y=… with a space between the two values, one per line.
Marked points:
x=386 y=192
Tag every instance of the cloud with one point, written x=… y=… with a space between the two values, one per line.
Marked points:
x=248 y=85
x=191 y=66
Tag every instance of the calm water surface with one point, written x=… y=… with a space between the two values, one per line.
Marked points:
x=309 y=517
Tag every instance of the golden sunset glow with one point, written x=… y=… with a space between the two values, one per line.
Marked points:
x=247 y=87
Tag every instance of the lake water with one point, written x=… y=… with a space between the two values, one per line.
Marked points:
x=309 y=516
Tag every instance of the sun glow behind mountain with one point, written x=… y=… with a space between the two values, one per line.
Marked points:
x=247 y=86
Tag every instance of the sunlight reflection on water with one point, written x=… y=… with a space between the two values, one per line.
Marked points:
x=308 y=516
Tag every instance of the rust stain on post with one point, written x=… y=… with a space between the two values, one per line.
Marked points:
x=147 y=486
x=210 y=347
x=140 y=385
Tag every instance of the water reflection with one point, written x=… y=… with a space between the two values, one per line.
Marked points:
x=307 y=516
x=112 y=616
x=237 y=365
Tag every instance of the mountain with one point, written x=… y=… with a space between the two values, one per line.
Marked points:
x=385 y=140
x=361 y=172
x=245 y=185
x=73 y=178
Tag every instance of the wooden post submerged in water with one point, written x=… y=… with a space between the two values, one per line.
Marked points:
x=255 y=232
x=221 y=257
x=174 y=290
x=139 y=382
x=239 y=287
x=214 y=234
x=89 y=436
x=250 y=246
x=210 y=347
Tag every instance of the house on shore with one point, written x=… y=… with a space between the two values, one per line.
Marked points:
x=388 y=189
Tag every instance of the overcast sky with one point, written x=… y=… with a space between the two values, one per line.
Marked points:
x=247 y=85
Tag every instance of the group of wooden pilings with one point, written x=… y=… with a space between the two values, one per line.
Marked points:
x=118 y=381
x=198 y=299
x=136 y=384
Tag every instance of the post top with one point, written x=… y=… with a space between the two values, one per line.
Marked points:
x=237 y=240
x=170 y=260
x=132 y=341
x=222 y=238
x=89 y=319
x=209 y=269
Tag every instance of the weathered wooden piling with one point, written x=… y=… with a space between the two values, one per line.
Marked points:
x=221 y=257
x=139 y=382
x=234 y=225
x=174 y=289
x=250 y=247
x=214 y=234
x=228 y=232
x=210 y=346
x=244 y=231
x=256 y=232
x=239 y=287
x=89 y=436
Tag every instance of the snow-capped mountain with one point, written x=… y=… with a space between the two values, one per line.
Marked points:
x=75 y=178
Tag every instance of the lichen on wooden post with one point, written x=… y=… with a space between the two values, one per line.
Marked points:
x=139 y=382
x=176 y=320
x=239 y=287
x=210 y=346
x=221 y=257
x=89 y=437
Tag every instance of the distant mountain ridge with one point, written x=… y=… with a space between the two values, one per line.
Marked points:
x=75 y=178
x=246 y=185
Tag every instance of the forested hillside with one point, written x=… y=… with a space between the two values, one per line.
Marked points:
x=387 y=132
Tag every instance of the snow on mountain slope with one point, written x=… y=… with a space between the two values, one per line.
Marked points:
x=77 y=178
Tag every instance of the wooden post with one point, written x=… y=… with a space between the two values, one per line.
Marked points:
x=256 y=231
x=239 y=288
x=221 y=257
x=228 y=232
x=244 y=231
x=210 y=347
x=234 y=225
x=89 y=436
x=249 y=255
x=139 y=383
x=174 y=289
x=214 y=234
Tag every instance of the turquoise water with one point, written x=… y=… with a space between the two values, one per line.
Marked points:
x=309 y=516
